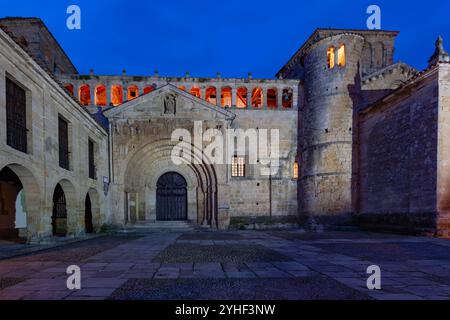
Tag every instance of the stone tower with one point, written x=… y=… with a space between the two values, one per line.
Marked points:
x=330 y=65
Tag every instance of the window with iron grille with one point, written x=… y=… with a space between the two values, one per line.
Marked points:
x=63 y=140
x=91 y=157
x=16 y=116
x=238 y=166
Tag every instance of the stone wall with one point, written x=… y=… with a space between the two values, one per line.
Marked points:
x=38 y=169
x=443 y=170
x=397 y=159
x=257 y=194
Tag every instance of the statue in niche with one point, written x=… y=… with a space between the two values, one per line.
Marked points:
x=170 y=104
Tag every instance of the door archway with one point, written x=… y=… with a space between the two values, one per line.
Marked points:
x=171 y=197
x=59 y=217
x=10 y=189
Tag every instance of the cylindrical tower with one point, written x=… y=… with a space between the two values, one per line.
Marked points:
x=331 y=73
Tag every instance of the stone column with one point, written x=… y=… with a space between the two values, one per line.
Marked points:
x=233 y=97
x=219 y=96
x=92 y=93
x=279 y=98
x=249 y=97
x=108 y=94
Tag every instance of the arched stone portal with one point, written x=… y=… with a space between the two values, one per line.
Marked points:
x=22 y=180
x=149 y=163
x=171 y=197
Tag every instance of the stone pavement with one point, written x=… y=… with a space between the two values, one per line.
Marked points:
x=235 y=265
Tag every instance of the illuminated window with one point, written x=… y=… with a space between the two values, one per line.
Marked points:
x=69 y=87
x=241 y=98
x=149 y=89
x=238 y=166
x=341 y=56
x=272 y=98
x=100 y=95
x=195 y=91
x=211 y=95
x=330 y=58
x=84 y=95
x=295 y=169
x=225 y=98
x=183 y=88
x=116 y=95
x=287 y=98
x=133 y=92
x=257 y=98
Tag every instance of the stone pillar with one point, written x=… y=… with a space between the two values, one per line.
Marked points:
x=92 y=93
x=249 y=97
x=219 y=96
x=279 y=98
x=233 y=97
x=108 y=94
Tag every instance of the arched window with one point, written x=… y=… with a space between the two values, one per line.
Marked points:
x=225 y=99
x=257 y=98
x=69 y=87
x=341 y=56
x=84 y=95
x=195 y=91
x=116 y=95
x=211 y=95
x=133 y=92
x=295 y=170
x=330 y=58
x=183 y=88
x=272 y=98
x=100 y=95
x=287 y=98
x=241 y=97
x=149 y=89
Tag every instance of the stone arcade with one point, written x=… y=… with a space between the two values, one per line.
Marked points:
x=363 y=140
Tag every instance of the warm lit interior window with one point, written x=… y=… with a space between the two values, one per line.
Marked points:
x=69 y=87
x=330 y=57
x=211 y=95
x=238 y=166
x=85 y=95
x=100 y=95
x=257 y=98
x=295 y=173
x=133 y=92
x=225 y=99
x=241 y=98
x=341 y=56
x=149 y=89
x=116 y=95
x=272 y=98
x=183 y=88
x=195 y=91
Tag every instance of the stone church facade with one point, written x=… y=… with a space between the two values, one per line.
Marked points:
x=362 y=140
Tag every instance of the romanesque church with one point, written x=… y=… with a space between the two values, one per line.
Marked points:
x=363 y=141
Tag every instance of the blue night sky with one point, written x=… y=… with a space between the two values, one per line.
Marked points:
x=233 y=37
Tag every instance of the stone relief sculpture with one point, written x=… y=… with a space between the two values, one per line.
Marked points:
x=170 y=104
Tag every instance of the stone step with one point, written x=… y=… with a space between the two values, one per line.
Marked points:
x=151 y=226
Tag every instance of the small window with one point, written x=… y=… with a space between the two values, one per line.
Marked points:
x=341 y=56
x=295 y=170
x=91 y=159
x=16 y=116
x=63 y=142
x=238 y=166
x=330 y=58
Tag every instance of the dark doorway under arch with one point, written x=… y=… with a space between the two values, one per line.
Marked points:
x=59 y=217
x=89 y=227
x=171 y=197
x=10 y=186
